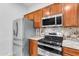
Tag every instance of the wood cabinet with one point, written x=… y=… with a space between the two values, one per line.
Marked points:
x=70 y=52
x=37 y=18
x=33 y=47
x=46 y=11
x=66 y=54
x=70 y=14
x=78 y=14
x=56 y=8
x=29 y=16
x=26 y=16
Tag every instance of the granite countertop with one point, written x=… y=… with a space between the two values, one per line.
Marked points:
x=68 y=42
x=36 y=37
x=74 y=43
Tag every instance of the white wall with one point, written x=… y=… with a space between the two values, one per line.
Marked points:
x=37 y=6
x=8 y=13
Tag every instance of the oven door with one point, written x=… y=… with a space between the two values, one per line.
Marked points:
x=46 y=51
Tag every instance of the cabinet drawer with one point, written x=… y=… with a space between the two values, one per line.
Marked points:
x=71 y=51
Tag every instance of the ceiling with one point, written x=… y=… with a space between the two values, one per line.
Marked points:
x=28 y=4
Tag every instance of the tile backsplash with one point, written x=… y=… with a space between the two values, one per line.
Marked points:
x=45 y=31
x=67 y=32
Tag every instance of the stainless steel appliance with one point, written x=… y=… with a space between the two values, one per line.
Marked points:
x=55 y=20
x=22 y=30
x=51 y=45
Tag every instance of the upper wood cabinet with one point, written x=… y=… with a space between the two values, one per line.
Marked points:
x=29 y=16
x=70 y=14
x=26 y=16
x=56 y=8
x=78 y=14
x=46 y=11
x=37 y=18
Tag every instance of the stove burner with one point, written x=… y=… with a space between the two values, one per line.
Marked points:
x=52 y=40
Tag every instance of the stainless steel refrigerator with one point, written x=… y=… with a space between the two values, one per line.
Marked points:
x=23 y=29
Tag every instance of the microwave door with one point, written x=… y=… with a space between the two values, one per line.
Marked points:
x=52 y=21
x=45 y=22
x=59 y=20
x=48 y=22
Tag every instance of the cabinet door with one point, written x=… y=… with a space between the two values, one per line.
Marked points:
x=65 y=54
x=70 y=51
x=70 y=14
x=29 y=16
x=46 y=11
x=37 y=18
x=33 y=47
x=78 y=15
x=56 y=8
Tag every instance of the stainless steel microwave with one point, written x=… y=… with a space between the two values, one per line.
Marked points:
x=55 y=20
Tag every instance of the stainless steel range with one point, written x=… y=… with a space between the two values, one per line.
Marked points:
x=50 y=45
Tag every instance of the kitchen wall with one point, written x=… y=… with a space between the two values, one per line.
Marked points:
x=34 y=7
x=8 y=13
x=68 y=32
x=45 y=31
x=37 y=6
x=72 y=32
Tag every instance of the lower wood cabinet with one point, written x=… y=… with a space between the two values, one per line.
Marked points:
x=33 y=47
x=70 y=52
x=65 y=54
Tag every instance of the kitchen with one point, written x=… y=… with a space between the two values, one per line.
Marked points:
x=51 y=31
